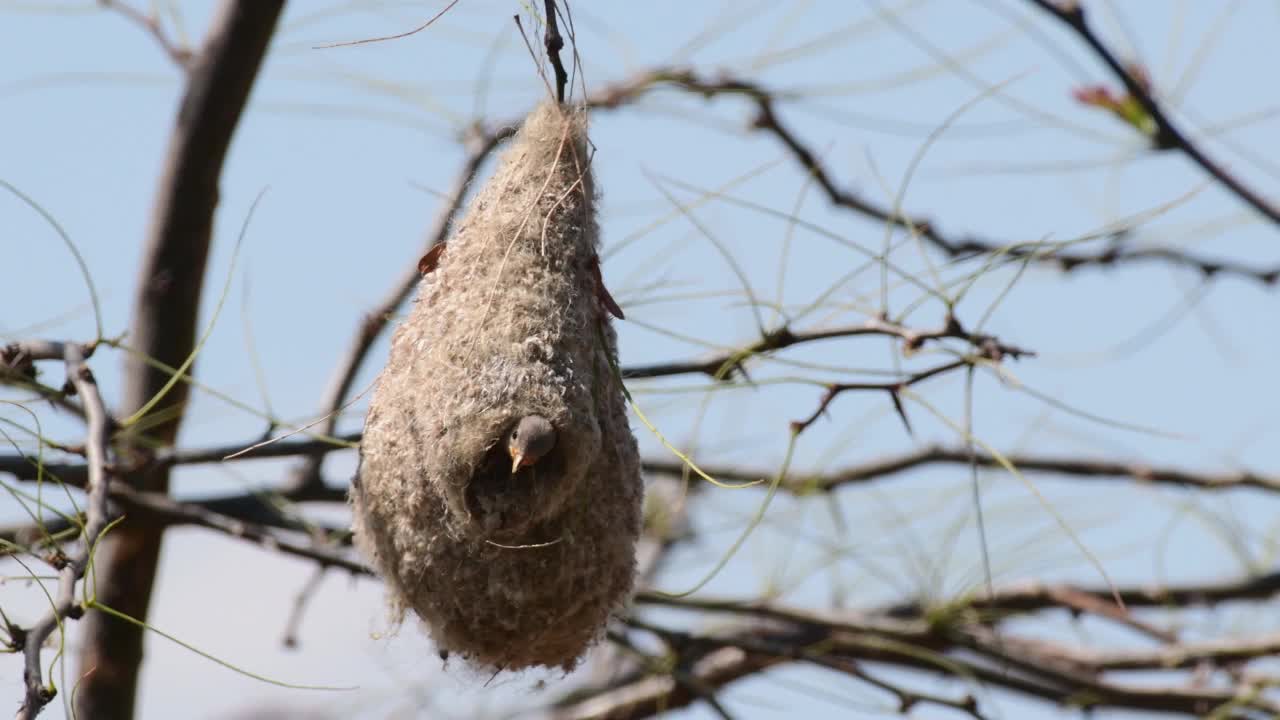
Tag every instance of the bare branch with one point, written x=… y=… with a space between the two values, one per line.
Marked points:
x=893 y=388
x=554 y=43
x=722 y=366
x=181 y=56
x=252 y=508
x=65 y=606
x=17 y=368
x=300 y=602
x=162 y=327
x=766 y=101
x=646 y=695
x=159 y=509
x=250 y=517
x=482 y=144
x=1168 y=135
x=1034 y=596
x=1037 y=668
x=1025 y=462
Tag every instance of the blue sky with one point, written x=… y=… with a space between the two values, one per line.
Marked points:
x=355 y=143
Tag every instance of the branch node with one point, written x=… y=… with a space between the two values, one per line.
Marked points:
x=17 y=636
x=902 y=411
x=56 y=559
x=952 y=326
x=1071 y=11
x=555 y=43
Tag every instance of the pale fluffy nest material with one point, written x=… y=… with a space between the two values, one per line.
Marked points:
x=509 y=572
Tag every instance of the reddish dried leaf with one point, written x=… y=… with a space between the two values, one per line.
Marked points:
x=431 y=260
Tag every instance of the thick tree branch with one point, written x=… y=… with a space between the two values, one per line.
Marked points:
x=1057 y=672
x=1166 y=657
x=1052 y=671
x=250 y=507
x=161 y=509
x=246 y=517
x=163 y=325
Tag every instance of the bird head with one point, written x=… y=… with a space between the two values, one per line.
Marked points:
x=532 y=438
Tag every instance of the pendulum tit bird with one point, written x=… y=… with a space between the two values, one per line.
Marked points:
x=531 y=439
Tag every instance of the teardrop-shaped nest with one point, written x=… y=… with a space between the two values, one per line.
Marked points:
x=509 y=570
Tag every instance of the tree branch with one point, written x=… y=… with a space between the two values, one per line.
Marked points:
x=959 y=247
x=17 y=368
x=1033 y=596
x=1168 y=135
x=893 y=388
x=181 y=56
x=65 y=606
x=481 y=144
x=1060 y=673
x=252 y=508
x=162 y=328
x=553 y=43
x=1025 y=462
x=722 y=366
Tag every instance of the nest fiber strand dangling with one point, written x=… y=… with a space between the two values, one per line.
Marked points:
x=499 y=491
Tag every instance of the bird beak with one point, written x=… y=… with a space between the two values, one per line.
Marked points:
x=517 y=459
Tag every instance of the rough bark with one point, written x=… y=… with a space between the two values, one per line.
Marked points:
x=163 y=326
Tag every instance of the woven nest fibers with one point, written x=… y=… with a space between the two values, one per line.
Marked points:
x=509 y=565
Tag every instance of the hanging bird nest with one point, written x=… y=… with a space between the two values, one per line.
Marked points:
x=499 y=490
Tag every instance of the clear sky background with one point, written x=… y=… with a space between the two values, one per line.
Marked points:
x=354 y=144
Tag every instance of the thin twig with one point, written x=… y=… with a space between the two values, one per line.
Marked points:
x=1168 y=135
x=18 y=369
x=1045 y=669
x=300 y=602
x=720 y=366
x=625 y=92
x=396 y=36
x=893 y=388
x=180 y=55
x=482 y=144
